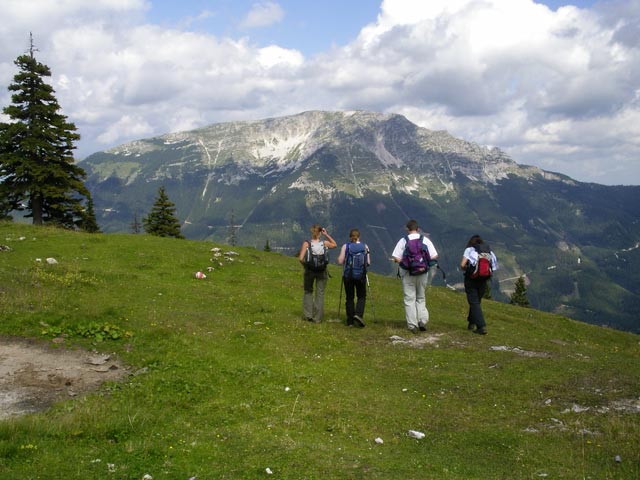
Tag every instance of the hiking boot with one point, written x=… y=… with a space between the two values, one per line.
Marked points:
x=413 y=329
x=358 y=321
x=470 y=325
x=422 y=326
x=349 y=322
x=480 y=331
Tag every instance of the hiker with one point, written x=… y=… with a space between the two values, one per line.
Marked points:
x=355 y=257
x=414 y=253
x=314 y=256
x=478 y=263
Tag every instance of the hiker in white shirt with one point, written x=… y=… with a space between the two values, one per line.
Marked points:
x=414 y=285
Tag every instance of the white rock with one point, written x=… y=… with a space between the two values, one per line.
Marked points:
x=147 y=477
x=52 y=261
x=379 y=441
x=416 y=434
x=268 y=470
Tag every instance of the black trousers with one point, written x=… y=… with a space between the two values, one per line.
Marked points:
x=475 y=288
x=353 y=289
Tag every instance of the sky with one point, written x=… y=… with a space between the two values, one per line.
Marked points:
x=555 y=84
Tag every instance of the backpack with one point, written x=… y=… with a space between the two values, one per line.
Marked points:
x=355 y=262
x=316 y=262
x=415 y=258
x=482 y=268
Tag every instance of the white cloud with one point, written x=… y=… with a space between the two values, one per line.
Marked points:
x=262 y=15
x=557 y=89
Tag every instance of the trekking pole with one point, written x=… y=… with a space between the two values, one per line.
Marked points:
x=373 y=308
x=340 y=299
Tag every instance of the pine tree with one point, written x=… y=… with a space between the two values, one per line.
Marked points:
x=519 y=296
x=36 y=152
x=267 y=248
x=162 y=221
x=89 y=223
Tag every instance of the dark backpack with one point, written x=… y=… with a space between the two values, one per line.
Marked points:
x=415 y=258
x=316 y=262
x=355 y=261
x=482 y=268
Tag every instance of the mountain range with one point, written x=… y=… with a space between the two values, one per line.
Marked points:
x=267 y=181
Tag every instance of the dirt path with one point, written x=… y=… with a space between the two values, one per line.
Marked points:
x=33 y=375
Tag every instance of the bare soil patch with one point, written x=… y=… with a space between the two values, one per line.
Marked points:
x=34 y=375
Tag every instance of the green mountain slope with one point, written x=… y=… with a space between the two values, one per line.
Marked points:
x=229 y=381
x=576 y=243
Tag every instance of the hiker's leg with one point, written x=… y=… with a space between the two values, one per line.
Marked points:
x=361 y=293
x=473 y=297
x=318 y=307
x=409 y=294
x=421 y=301
x=349 y=295
x=307 y=298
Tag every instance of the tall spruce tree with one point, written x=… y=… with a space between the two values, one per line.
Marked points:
x=36 y=153
x=162 y=220
x=519 y=296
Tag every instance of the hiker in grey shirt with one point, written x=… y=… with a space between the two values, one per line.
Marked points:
x=314 y=257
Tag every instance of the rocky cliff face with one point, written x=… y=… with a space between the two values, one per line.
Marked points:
x=271 y=179
x=270 y=147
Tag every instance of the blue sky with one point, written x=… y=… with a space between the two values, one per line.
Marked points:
x=553 y=84
x=309 y=26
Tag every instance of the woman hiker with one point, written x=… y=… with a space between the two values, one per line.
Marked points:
x=314 y=257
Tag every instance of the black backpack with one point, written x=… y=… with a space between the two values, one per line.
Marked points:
x=355 y=261
x=316 y=262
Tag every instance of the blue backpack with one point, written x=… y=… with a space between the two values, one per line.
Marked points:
x=355 y=261
x=415 y=258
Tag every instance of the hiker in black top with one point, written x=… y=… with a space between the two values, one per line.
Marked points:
x=354 y=255
x=475 y=284
x=312 y=255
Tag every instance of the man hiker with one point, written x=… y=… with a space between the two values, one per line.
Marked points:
x=414 y=253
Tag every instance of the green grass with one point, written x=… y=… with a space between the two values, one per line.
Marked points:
x=235 y=382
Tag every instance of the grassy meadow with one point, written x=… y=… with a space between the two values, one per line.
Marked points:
x=229 y=381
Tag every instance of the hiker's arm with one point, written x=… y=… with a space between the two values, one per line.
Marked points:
x=396 y=255
x=303 y=250
x=463 y=263
x=330 y=242
x=342 y=253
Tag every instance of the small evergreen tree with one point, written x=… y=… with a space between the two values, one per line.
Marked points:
x=36 y=152
x=267 y=248
x=162 y=221
x=487 y=291
x=135 y=224
x=233 y=229
x=89 y=223
x=519 y=296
